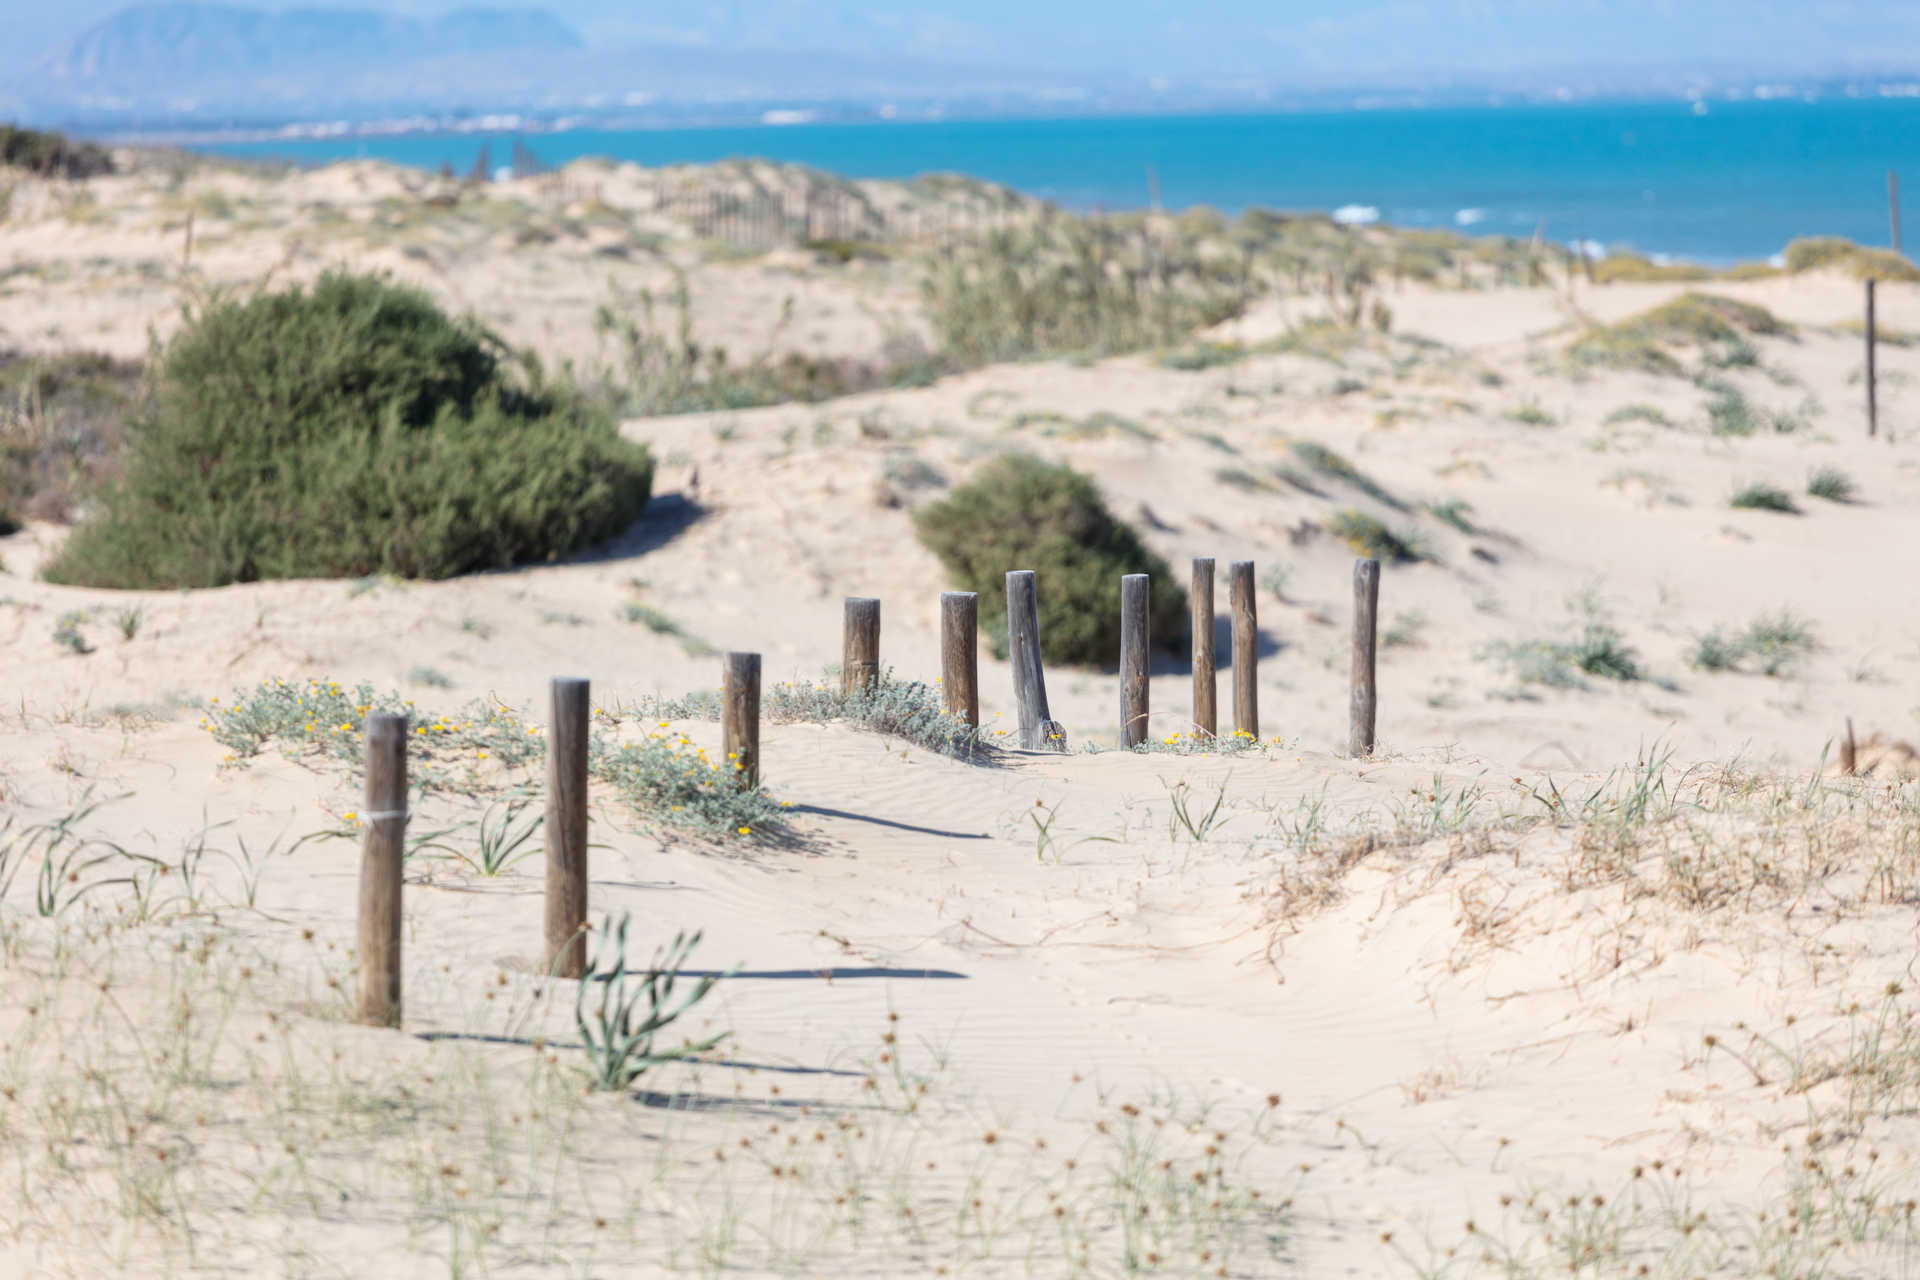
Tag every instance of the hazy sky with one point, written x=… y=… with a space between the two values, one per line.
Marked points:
x=1319 y=40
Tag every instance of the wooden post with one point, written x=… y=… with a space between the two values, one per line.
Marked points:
x=1363 y=702
x=1893 y=206
x=1133 y=659
x=1037 y=728
x=860 y=645
x=1849 y=752
x=1246 y=642
x=740 y=717
x=1873 y=397
x=566 y=827
x=382 y=851
x=960 y=655
x=1206 y=713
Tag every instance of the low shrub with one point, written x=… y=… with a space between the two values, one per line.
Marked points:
x=1815 y=253
x=62 y=426
x=488 y=748
x=1776 y=642
x=1635 y=268
x=1760 y=496
x=1639 y=413
x=1717 y=651
x=1832 y=484
x=1703 y=320
x=347 y=430
x=1022 y=513
x=1454 y=512
x=904 y=709
x=1600 y=650
x=1369 y=538
x=1202 y=355
x=1334 y=467
x=51 y=155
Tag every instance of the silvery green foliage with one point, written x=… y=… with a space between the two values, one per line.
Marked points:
x=907 y=709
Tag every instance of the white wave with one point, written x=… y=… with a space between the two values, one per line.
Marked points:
x=1356 y=215
x=1467 y=217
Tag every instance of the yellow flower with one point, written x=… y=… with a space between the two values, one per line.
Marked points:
x=746 y=831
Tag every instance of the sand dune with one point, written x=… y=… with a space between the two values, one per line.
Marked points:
x=1573 y=960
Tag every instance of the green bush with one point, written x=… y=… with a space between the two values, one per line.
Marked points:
x=1777 y=642
x=349 y=430
x=1622 y=267
x=51 y=155
x=1022 y=513
x=1814 y=253
x=1760 y=496
x=1367 y=537
x=1832 y=484
x=1640 y=341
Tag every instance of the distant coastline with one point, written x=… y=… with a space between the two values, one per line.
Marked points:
x=1715 y=183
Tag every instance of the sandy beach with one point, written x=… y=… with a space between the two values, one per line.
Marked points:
x=1598 y=966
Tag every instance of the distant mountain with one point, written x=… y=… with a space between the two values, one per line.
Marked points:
x=188 y=65
x=204 y=49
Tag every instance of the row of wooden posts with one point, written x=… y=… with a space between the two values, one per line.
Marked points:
x=570 y=718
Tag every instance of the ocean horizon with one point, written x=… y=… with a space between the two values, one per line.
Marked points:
x=1713 y=182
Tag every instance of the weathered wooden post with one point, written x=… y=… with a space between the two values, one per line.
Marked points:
x=1206 y=714
x=566 y=827
x=1873 y=397
x=960 y=655
x=382 y=851
x=860 y=645
x=1037 y=728
x=1363 y=702
x=1849 y=752
x=740 y=717
x=1246 y=644
x=1133 y=659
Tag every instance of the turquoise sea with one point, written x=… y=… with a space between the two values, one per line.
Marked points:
x=1716 y=182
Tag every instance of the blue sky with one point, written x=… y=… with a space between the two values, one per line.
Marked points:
x=1324 y=41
